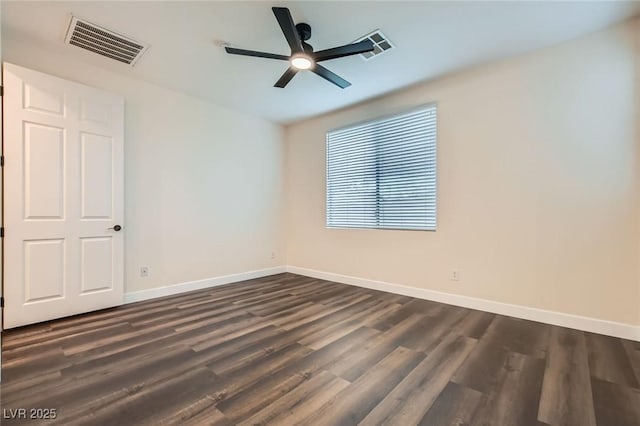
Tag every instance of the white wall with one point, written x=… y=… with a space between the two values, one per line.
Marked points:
x=203 y=184
x=538 y=184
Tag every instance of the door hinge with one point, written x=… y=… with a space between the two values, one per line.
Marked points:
x=2 y=232
x=1 y=90
x=1 y=160
x=1 y=302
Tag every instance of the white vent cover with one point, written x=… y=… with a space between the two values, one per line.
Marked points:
x=96 y=39
x=381 y=44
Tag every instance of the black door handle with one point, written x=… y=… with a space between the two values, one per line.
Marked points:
x=116 y=228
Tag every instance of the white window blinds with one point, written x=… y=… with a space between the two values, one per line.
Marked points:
x=382 y=174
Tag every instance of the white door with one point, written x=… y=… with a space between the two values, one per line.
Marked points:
x=63 y=196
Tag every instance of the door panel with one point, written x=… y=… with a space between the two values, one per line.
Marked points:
x=63 y=192
x=98 y=112
x=40 y=99
x=43 y=172
x=43 y=270
x=97 y=176
x=97 y=264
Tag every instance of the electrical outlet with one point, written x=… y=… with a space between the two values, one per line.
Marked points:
x=455 y=275
x=144 y=271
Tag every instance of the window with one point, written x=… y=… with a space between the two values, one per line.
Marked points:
x=382 y=174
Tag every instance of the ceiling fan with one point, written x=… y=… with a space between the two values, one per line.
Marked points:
x=302 y=55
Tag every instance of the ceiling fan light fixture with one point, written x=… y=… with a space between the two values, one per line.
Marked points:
x=302 y=62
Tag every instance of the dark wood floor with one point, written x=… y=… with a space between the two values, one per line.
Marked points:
x=287 y=350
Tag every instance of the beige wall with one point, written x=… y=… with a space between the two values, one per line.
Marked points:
x=203 y=184
x=538 y=184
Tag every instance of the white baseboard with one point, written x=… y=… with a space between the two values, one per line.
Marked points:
x=152 y=293
x=594 y=325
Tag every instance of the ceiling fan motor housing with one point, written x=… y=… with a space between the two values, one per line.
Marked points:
x=304 y=31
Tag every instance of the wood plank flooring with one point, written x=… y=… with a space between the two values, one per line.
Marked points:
x=287 y=350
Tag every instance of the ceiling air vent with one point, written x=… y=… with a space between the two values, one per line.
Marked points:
x=381 y=44
x=96 y=39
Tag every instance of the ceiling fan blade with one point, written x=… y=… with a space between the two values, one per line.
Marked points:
x=288 y=28
x=346 y=50
x=330 y=76
x=286 y=77
x=244 y=52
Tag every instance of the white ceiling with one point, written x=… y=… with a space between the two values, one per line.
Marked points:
x=432 y=39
